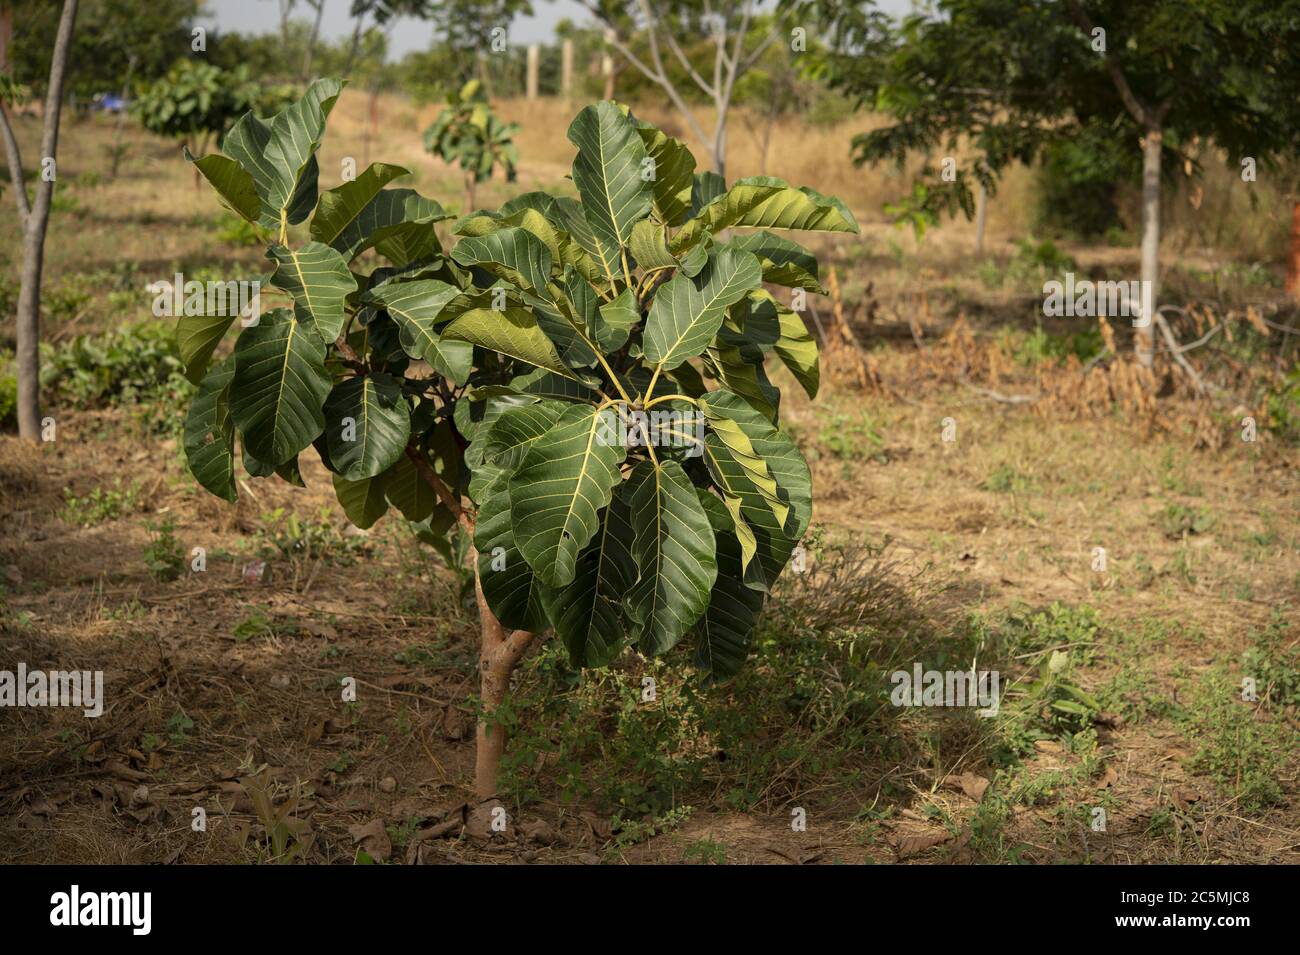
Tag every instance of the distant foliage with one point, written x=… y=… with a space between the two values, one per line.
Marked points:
x=196 y=100
x=468 y=134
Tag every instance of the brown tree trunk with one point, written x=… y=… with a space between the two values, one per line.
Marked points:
x=499 y=653
x=29 y=295
x=469 y=193
x=1293 y=255
x=1151 y=144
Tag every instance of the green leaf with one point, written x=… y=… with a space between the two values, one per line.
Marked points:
x=511 y=587
x=674 y=175
x=408 y=491
x=367 y=426
x=588 y=613
x=674 y=553
x=650 y=248
x=737 y=473
x=722 y=634
x=766 y=202
x=512 y=254
x=339 y=208
x=616 y=320
x=687 y=312
x=318 y=279
x=706 y=187
x=798 y=349
x=279 y=386
x=608 y=174
x=281 y=155
x=400 y=224
x=363 y=501
x=560 y=487
x=784 y=262
x=415 y=306
x=511 y=331
x=196 y=339
x=232 y=182
x=741 y=370
x=210 y=433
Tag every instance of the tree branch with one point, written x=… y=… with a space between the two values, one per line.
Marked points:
x=1145 y=118
x=15 y=167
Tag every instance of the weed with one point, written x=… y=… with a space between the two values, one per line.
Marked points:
x=100 y=505
x=163 y=555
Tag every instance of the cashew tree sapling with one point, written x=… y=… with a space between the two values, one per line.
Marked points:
x=578 y=387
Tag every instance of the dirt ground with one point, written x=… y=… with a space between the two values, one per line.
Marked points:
x=223 y=685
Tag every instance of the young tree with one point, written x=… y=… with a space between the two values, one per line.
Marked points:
x=674 y=25
x=541 y=390
x=467 y=133
x=1013 y=77
x=35 y=222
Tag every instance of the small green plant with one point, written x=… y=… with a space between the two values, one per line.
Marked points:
x=468 y=134
x=705 y=852
x=1005 y=479
x=1179 y=520
x=163 y=555
x=284 y=837
x=100 y=505
x=178 y=728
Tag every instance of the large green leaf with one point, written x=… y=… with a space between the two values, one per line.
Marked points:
x=511 y=587
x=784 y=262
x=687 y=312
x=734 y=465
x=281 y=155
x=415 y=306
x=674 y=175
x=408 y=491
x=367 y=425
x=722 y=634
x=588 y=613
x=559 y=489
x=210 y=433
x=511 y=331
x=232 y=182
x=798 y=349
x=318 y=279
x=616 y=320
x=196 y=339
x=608 y=174
x=363 y=501
x=513 y=254
x=279 y=386
x=339 y=208
x=766 y=202
x=674 y=553
x=399 y=223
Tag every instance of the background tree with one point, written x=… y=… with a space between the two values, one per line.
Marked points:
x=1012 y=78
x=35 y=222
x=493 y=391
x=671 y=28
x=468 y=134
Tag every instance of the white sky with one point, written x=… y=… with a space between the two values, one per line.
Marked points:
x=263 y=16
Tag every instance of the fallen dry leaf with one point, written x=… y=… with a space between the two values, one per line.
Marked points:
x=373 y=838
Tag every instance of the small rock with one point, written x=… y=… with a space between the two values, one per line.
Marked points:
x=538 y=831
x=388 y=784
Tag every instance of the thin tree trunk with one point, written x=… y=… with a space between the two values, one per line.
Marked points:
x=981 y=208
x=469 y=193
x=121 y=117
x=16 y=179
x=499 y=654
x=29 y=296
x=1145 y=339
x=356 y=45
x=311 y=41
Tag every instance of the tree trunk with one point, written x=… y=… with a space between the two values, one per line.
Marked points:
x=121 y=117
x=29 y=296
x=356 y=45
x=469 y=193
x=16 y=179
x=1293 y=255
x=981 y=210
x=1145 y=339
x=311 y=41
x=499 y=654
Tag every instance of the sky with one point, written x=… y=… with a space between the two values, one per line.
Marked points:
x=263 y=16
